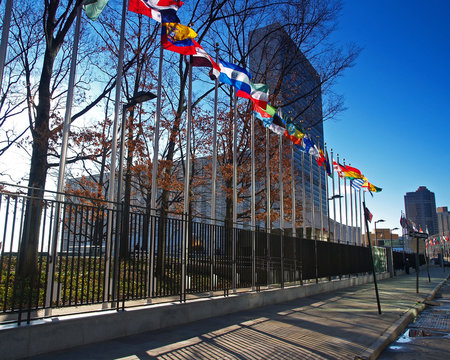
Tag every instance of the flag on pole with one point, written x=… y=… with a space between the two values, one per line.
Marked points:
x=403 y=221
x=179 y=32
x=327 y=165
x=367 y=214
x=339 y=169
x=258 y=94
x=235 y=76
x=163 y=11
x=265 y=112
x=183 y=47
x=356 y=183
x=202 y=59
x=93 y=8
x=352 y=173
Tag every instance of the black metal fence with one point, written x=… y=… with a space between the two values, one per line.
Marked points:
x=84 y=255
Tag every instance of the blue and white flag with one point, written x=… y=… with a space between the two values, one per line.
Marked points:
x=357 y=183
x=235 y=76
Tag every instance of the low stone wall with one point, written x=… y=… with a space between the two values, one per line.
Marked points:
x=55 y=334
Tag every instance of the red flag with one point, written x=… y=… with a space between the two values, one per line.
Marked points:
x=368 y=214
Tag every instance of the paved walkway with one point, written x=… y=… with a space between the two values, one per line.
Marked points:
x=339 y=325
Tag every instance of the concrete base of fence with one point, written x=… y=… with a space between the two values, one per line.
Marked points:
x=55 y=334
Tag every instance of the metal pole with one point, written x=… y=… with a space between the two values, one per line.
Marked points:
x=334 y=203
x=360 y=220
x=268 y=221
x=303 y=195
x=356 y=218
x=280 y=181
x=293 y=214
x=351 y=214
x=156 y=133
x=187 y=180
x=5 y=35
x=373 y=265
x=346 y=213
x=293 y=217
x=320 y=195
x=234 y=273
x=340 y=203
x=327 y=202
x=252 y=207
x=214 y=179
x=62 y=160
x=311 y=186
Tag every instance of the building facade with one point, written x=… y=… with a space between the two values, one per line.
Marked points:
x=276 y=60
x=443 y=216
x=420 y=207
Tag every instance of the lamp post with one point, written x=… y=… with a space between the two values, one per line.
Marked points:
x=381 y=220
x=332 y=198
x=392 y=254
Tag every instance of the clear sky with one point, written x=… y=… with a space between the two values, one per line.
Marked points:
x=396 y=129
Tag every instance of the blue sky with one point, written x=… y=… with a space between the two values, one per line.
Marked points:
x=396 y=128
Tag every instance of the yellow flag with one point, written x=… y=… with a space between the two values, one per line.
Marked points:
x=178 y=32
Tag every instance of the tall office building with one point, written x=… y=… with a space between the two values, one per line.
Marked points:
x=420 y=207
x=275 y=59
x=443 y=216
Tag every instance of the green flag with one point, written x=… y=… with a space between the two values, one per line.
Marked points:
x=94 y=8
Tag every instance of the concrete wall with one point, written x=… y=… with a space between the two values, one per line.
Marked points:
x=54 y=334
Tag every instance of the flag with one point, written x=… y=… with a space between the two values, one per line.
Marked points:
x=265 y=112
x=179 y=32
x=202 y=59
x=93 y=8
x=367 y=214
x=235 y=76
x=352 y=173
x=163 y=11
x=258 y=94
x=327 y=165
x=356 y=183
x=321 y=158
x=339 y=169
x=403 y=221
x=183 y=47
x=296 y=138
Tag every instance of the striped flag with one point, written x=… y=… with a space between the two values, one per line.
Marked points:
x=357 y=183
x=368 y=215
x=163 y=11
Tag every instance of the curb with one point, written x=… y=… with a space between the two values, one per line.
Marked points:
x=373 y=351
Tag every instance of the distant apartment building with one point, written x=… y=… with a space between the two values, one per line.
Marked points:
x=420 y=207
x=443 y=216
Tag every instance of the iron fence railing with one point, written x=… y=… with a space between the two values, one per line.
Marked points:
x=84 y=255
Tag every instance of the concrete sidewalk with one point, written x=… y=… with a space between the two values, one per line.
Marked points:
x=344 y=324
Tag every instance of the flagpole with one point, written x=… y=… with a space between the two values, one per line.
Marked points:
x=371 y=259
x=356 y=218
x=112 y=173
x=252 y=207
x=268 y=221
x=293 y=211
x=187 y=178
x=320 y=194
x=360 y=221
x=214 y=178
x=62 y=160
x=303 y=195
x=153 y=193
x=5 y=35
x=280 y=180
x=311 y=183
x=234 y=191
x=334 y=202
x=328 y=196
x=340 y=203
x=346 y=212
x=351 y=212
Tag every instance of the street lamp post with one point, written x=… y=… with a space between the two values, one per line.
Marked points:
x=331 y=198
x=392 y=254
x=381 y=220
